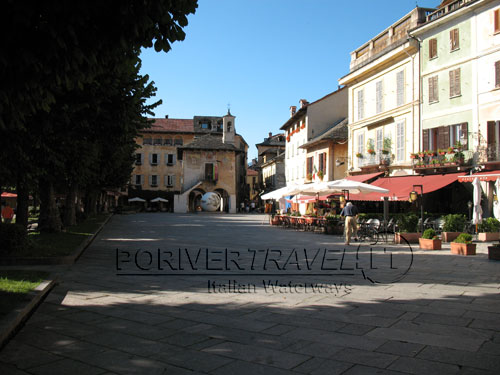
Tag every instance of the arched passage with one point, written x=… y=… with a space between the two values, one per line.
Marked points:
x=225 y=199
x=195 y=199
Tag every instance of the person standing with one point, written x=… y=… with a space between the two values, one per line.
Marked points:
x=350 y=212
x=7 y=213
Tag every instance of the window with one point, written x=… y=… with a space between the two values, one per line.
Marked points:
x=497 y=74
x=153 y=180
x=361 y=143
x=147 y=141
x=361 y=102
x=153 y=159
x=220 y=126
x=454 y=40
x=379 y=96
x=400 y=141
x=322 y=163
x=400 y=89
x=496 y=20
x=178 y=142
x=157 y=141
x=138 y=159
x=170 y=180
x=206 y=125
x=433 y=48
x=433 y=89
x=170 y=159
x=309 y=166
x=445 y=136
x=168 y=142
x=379 y=145
x=138 y=179
x=210 y=172
x=455 y=83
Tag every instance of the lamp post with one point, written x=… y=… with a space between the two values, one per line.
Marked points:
x=414 y=195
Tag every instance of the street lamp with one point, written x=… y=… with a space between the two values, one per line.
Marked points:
x=414 y=196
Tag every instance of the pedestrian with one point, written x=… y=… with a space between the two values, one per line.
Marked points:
x=252 y=206
x=350 y=212
x=7 y=213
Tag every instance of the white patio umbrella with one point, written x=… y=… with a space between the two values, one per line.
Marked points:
x=477 y=211
x=338 y=186
x=136 y=199
x=496 y=204
x=281 y=192
x=159 y=199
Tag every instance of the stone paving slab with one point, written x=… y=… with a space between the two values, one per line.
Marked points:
x=441 y=317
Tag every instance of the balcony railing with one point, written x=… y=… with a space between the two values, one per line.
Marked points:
x=374 y=159
x=447 y=9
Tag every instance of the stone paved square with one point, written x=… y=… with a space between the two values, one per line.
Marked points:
x=228 y=294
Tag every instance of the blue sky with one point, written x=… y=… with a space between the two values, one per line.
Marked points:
x=262 y=56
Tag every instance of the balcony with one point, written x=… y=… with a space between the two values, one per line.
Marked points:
x=424 y=161
x=447 y=9
x=378 y=160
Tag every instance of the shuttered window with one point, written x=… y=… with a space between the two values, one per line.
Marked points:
x=454 y=40
x=138 y=179
x=361 y=143
x=138 y=159
x=455 y=86
x=170 y=159
x=400 y=141
x=432 y=48
x=379 y=141
x=379 y=96
x=445 y=136
x=153 y=181
x=400 y=88
x=153 y=159
x=497 y=74
x=309 y=165
x=170 y=180
x=322 y=163
x=433 y=89
x=361 y=104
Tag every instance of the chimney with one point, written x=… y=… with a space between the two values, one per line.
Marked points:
x=303 y=103
x=293 y=109
x=270 y=134
x=166 y=116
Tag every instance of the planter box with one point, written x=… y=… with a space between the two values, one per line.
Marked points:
x=410 y=237
x=449 y=236
x=429 y=244
x=494 y=252
x=463 y=249
x=488 y=237
x=274 y=221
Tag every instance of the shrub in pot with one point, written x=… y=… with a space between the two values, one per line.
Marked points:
x=488 y=230
x=407 y=228
x=494 y=252
x=429 y=240
x=462 y=245
x=453 y=226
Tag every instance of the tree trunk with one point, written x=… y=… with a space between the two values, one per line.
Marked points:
x=22 y=203
x=50 y=217
x=69 y=217
x=91 y=202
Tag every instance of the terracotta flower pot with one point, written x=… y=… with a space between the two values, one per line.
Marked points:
x=410 y=237
x=429 y=244
x=494 y=252
x=488 y=237
x=449 y=236
x=463 y=248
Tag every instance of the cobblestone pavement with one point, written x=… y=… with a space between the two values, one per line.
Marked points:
x=228 y=294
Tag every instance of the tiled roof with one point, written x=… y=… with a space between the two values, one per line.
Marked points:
x=171 y=125
x=273 y=140
x=209 y=142
x=251 y=172
x=337 y=132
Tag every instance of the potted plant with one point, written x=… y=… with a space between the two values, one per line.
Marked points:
x=421 y=154
x=429 y=240
x=407 y=226
x=359 y=155
x=320 y=175
x=370 y=146
x=413 y=155
x=453 y=225
x=309 y=176
x=430 y=153
x=451 y=151
x=387 y=146
x=441 y=152
x=463 y=245
x=488 y=230
x=494 y=251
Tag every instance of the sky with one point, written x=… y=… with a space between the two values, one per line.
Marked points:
x=259 y=57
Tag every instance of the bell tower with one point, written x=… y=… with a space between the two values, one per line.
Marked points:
x=228 y=130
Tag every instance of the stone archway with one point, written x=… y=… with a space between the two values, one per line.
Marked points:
x=195 y=199
x=225 y=199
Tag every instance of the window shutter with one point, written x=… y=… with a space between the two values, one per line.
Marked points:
x=142 y=179
x=150 y=159
x=491 y=140
x=454 y=39
x=446 y=137
x=432 y=48
x=496 y=20
x=497 y=74
x=465 y=135
x=431 y=90
x=400 y=83
x=150 y=178
x=173 y=159
x=425 y=139
x=324 y=163
x=360 y=104
x=378 y=87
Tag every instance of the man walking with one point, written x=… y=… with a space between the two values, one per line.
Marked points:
x=7 y=213
x=350 y=212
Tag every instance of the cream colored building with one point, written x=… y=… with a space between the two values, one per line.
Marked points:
x=383 y=86
x=310 y=121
